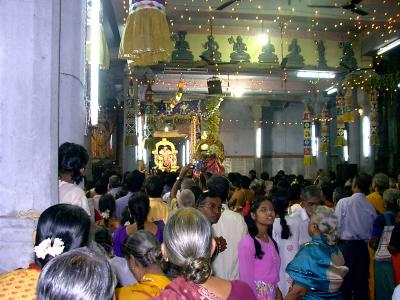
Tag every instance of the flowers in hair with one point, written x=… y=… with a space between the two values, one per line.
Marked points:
x=106 y=214
x=47 y=247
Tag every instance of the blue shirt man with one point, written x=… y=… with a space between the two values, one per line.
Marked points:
x=356 y=217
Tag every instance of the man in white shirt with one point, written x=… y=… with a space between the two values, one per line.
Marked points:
x=72 y=159
x=310 y=196
x=231 y=226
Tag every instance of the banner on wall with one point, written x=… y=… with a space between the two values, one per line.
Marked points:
x=307 y=136
x=340 y=127
x=373 y=99
x=324 y=130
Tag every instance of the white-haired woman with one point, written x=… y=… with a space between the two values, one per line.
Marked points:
x=188 y=246
x=318 y=268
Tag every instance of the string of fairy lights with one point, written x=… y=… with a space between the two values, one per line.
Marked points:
x=381 y=19
x=369 y=23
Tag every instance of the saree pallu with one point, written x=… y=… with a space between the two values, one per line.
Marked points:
x=179 y=288
x=318 y=267
x=150 y=286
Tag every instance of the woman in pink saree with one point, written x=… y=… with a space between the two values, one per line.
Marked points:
x=188 y=246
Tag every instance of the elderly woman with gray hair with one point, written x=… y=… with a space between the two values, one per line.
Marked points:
x=380 y=183
x=188 y=246
x=143 y=253
x=318 y=268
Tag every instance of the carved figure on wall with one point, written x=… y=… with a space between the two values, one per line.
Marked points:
x=165 y=156
x=239 y=53
x=348 y=60
x=268 y=54
x=321 y=54
x=181 y=52
x=294 y=57
x=212 y=54
x=101 y=136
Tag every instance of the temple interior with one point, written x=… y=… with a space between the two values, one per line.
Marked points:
x=224 y=85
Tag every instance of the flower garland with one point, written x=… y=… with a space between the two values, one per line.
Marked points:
x=340 y=140
x=324 y=130
x=213 y=115
x=376 y=82
x=307 y=136
x=373 y=99
x=348 y=116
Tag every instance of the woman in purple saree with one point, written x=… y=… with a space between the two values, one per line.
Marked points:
x=138 y=207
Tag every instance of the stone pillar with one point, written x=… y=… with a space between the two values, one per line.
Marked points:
x=72 y=111
x=257 y=117
x=40 y=57
x=321 y=160
x=354 y=135
x=129 y=155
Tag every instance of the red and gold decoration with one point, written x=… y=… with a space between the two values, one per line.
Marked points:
x=165 y=156
x=101 y=136
x=178 y=96
x=373 y=100
x=324 y=130
x=194 y=133
x=307 y=136
x=146 y=39
x=340 y=127
x=348 y=116
x=211 y=152
x=210 y=149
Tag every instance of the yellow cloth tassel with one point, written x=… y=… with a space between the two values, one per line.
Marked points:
x=374 y=140
x=324 y=147
x=131 y=140
x=104 y=52
x=340 y=142
x=348 y=117
x=146 y=38
x=308 y=160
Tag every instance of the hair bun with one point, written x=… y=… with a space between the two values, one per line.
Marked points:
x=153 y=256
x=197 y=270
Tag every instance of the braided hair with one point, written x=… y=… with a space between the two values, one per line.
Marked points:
x=280 y=202
x=139 y=207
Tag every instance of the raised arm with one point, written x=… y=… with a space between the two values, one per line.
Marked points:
x=177 y=184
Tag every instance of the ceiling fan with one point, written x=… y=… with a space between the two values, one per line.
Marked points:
x=347 y=70
x=351 y=6
x=226 y=4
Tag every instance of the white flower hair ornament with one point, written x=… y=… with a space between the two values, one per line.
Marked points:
x=106 y=214
x=46 y=247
